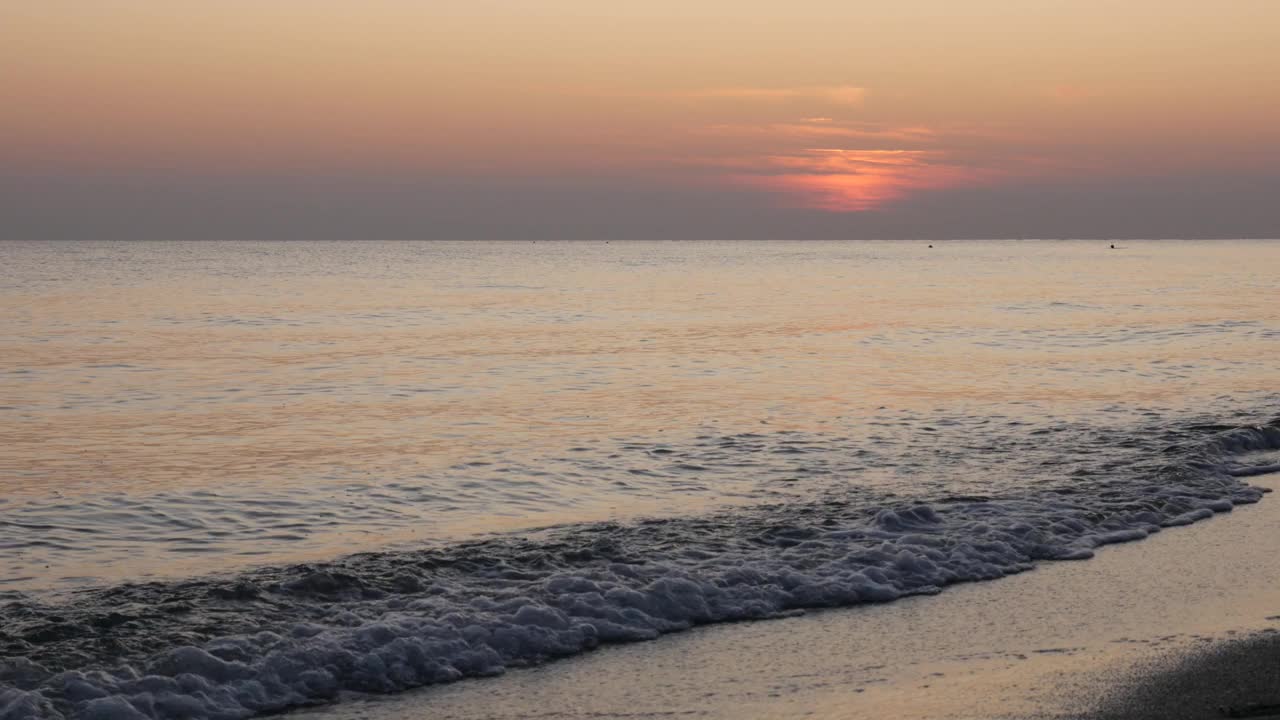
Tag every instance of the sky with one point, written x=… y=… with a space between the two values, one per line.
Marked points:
x=680 y=119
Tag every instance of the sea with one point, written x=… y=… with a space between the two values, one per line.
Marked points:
x=240 y=478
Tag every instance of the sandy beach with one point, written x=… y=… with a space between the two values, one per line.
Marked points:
x=1233 y=677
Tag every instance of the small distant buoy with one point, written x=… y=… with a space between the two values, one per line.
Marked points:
x=1113 y=246
x=930 y=246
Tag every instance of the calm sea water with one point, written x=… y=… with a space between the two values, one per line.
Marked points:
x=175 y=408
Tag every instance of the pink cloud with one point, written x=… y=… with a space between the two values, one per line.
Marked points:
x=840 y=180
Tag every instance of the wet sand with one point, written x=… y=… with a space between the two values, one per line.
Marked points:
x=1108 y=637
x=1230 y=678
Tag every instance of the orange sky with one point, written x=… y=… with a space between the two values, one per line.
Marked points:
x=841 y=107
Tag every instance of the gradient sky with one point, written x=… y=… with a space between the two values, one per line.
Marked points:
x=662 y=119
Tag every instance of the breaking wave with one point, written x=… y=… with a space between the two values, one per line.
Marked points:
x=272 y=639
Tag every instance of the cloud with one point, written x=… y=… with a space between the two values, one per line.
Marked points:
x=846 y=95
x=840 y=180
x=808 y=129
x=843 y=166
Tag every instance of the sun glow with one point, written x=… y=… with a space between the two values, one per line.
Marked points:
x=839 y=180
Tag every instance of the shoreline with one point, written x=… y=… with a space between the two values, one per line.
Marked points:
x=922 y=656
x=1067 y=640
